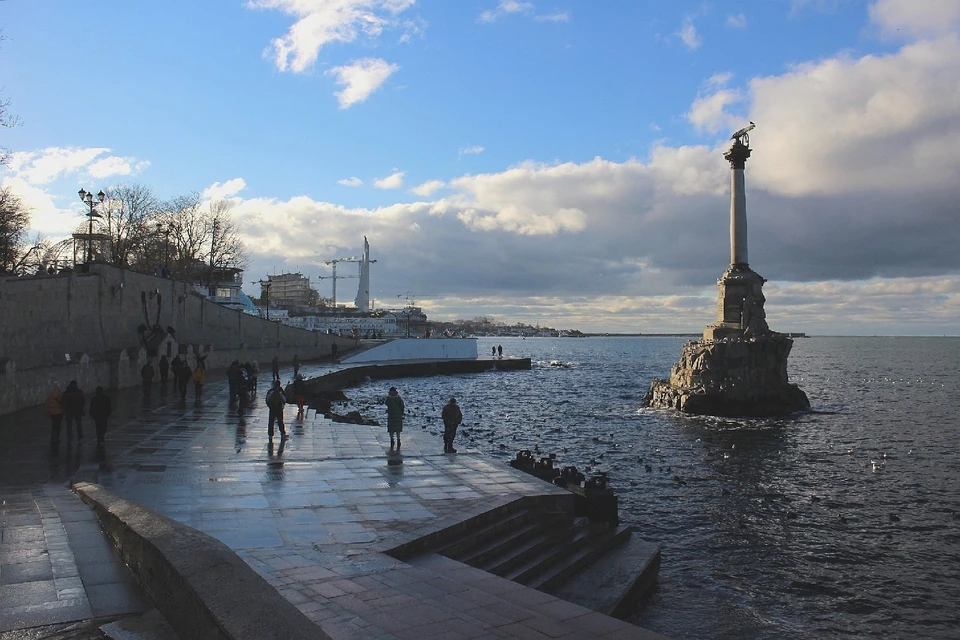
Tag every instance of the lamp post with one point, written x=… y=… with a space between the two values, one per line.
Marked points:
x=165 y=229
x=86 y=196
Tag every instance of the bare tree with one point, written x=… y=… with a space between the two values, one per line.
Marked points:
x=227 y=250
x=14 y=222
x=128 y=215
x=7 y=120
x=184 y=224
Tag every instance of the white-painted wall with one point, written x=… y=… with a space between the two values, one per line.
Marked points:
x=419 y=349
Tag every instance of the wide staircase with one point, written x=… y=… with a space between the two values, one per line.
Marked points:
x=540 y=544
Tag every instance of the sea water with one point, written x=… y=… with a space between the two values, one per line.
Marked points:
x=841 y=522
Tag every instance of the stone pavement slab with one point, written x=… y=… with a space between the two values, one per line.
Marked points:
x=315 y=515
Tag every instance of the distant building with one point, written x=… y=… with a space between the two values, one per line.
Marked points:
x=290 y=289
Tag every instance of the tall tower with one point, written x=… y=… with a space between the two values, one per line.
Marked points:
x=363 y=291
x=740 y=298
x=740 y=366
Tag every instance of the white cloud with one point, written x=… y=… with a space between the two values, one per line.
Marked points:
x=47 y=165
x=361 y=78
x=428 y=188
x=46 y=216
x=843 y=125
x=470 y=151
x=392 y=181
x=916 y=17
x=116 y=166
x=709 y=113
x=736 y=21
x=351 y=182
x=504 y=8
x=688 y=34
x=230 y=188
x=321 y=22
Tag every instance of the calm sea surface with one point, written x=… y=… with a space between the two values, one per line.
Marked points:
x=844 y=522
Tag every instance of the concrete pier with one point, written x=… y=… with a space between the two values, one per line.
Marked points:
x=315 y=517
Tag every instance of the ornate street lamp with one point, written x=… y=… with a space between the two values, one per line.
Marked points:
x=86 y=196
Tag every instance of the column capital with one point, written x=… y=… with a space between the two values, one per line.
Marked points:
x=737 y=155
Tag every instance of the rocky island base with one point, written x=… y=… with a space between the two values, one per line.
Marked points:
x=733 y=377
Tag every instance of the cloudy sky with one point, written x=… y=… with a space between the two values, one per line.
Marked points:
x=555 y=161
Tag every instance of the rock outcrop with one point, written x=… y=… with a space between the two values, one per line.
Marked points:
x=734 y=376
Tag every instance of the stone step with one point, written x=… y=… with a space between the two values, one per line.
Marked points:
x=502 y=545
x=494 y=531
x=598 y=544
x=556 y=551
x=616 y=581
x=537 y=546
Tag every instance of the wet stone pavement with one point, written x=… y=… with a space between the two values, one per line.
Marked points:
x=312 y=515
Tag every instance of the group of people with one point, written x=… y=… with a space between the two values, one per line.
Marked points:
x=496 y=351
x=451 y=415
x=242 y=381
x=71 y=404
x=182 y=375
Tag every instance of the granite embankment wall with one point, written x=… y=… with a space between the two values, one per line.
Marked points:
x=84 y=327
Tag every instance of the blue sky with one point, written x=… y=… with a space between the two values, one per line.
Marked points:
x=547 y=162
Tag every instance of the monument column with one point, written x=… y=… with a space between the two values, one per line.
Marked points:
x=737 y=157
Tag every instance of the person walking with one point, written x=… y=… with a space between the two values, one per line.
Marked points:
x=394 y=417
x=183 y=379
x=276 y=368
x=275 y=401
x=233 y=380
x=296 y=366
x=493 y=352
x=164 y=367
x=198 y=377
x=299 y=393
x=73 y=402
x=175 y=365
x=452 y=417
x=54 y=409
x=499 y=351
x=147 y=372
x=100 y=410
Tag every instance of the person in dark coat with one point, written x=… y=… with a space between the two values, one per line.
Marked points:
x=184 y=375
x=175 y=365
x=296 y=366
x=394 y=416
x=100 y=410
x=147 y=372
x=452 y=417
x=299 y=393
x=275 y=402
x=73 y=401
x=164 y=366
x=234 y=379
x=275 y=364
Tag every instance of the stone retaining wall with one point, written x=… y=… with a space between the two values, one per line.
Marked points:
x=200 y=585
x=94 y=318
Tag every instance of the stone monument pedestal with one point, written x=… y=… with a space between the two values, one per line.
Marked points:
x=740 y=366
x=735 y=376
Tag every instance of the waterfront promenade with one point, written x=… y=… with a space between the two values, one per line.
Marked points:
x=314 y=517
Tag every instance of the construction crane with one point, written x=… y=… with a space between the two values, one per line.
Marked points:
x=334 y=263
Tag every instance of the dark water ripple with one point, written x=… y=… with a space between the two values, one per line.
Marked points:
x=842 y=522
